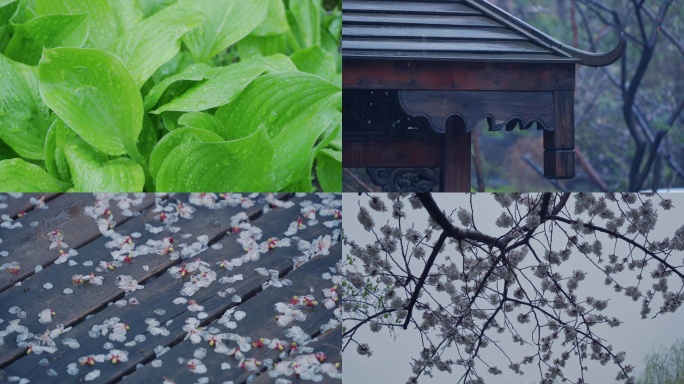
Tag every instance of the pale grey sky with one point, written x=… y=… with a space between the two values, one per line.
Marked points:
x=391 y=358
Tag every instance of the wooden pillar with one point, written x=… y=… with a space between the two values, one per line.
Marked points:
x=559 y=145
x=455 y=167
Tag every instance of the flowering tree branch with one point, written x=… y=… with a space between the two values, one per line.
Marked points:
x=484 y=282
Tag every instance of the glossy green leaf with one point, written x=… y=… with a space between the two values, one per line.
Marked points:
x=148 y=138
x=150 y=7
x=95 y=95
x=329 y=170
x=6 y=2
x=93 y=171
x=23 y=118
x=200 y=120
x=193 y=72
x=244 y=165
x=227 y=22
x=58 y=137
x=127 y=14
x=275 y=22
x=156 y=40
x=280 y=63
x=176 y=138
x=305 y=22
x=295 y=107
x=26 y=46
x=16 y=175
x=220 y=89
x=261 y=45
x=170 y=119
x=102 y=18
x=316 y=61
x=305 y=181
x=6 y=152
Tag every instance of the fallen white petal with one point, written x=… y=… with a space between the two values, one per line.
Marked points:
x=200 y=353
x=92 y=375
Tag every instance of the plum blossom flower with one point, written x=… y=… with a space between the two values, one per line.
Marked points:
x=272 y=243
x=322 y=245
x=193 y=306
x=196 y=366
x=45 y=316
x=38 y=203
x=331 y=297
x=194 y=332
x=12 y=267
x=251 y=364
x=91 y=359
x=116 y=356
x=294 y=227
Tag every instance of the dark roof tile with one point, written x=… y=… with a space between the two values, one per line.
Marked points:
x=454 y=30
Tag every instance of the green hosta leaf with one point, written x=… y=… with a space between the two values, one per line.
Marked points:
x=58 y=137
x=23 y=120
x=329 y=170
x=6 y=152
x=156 y=40
x=24 y=11
x=261 y=45
x=150 y=7
x=148 y=138
x=228 y=21
x=244 y=165
x=193 y=72
x=6 y=2
x=220 y=89
x=280 y=63
x=200 y=120
x=102 y=18
x=94 y=172
x=16 y=175
x=295 y=107
x=50 y=31
x=170 y=119
x=304 y=183
x=316 y=61
x=95 y=95
x=275 y=22
x=305 y=22
x=176 y=138
x=127 y=14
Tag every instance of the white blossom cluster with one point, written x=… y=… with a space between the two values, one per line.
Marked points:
x=530 y=274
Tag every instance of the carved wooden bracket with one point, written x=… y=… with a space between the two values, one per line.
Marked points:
x=500 y=109
x=405 y=179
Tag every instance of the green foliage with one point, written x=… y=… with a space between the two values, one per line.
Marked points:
x=169 y=95
x=666 y=366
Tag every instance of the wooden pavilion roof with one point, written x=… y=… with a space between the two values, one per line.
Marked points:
x=452 y=30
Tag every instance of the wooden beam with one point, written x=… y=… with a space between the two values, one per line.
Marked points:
x=463 y=76
x=455 y=169
x=391 y=153
x=559 y=145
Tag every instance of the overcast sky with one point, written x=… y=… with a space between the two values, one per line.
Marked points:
x=391 y=358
